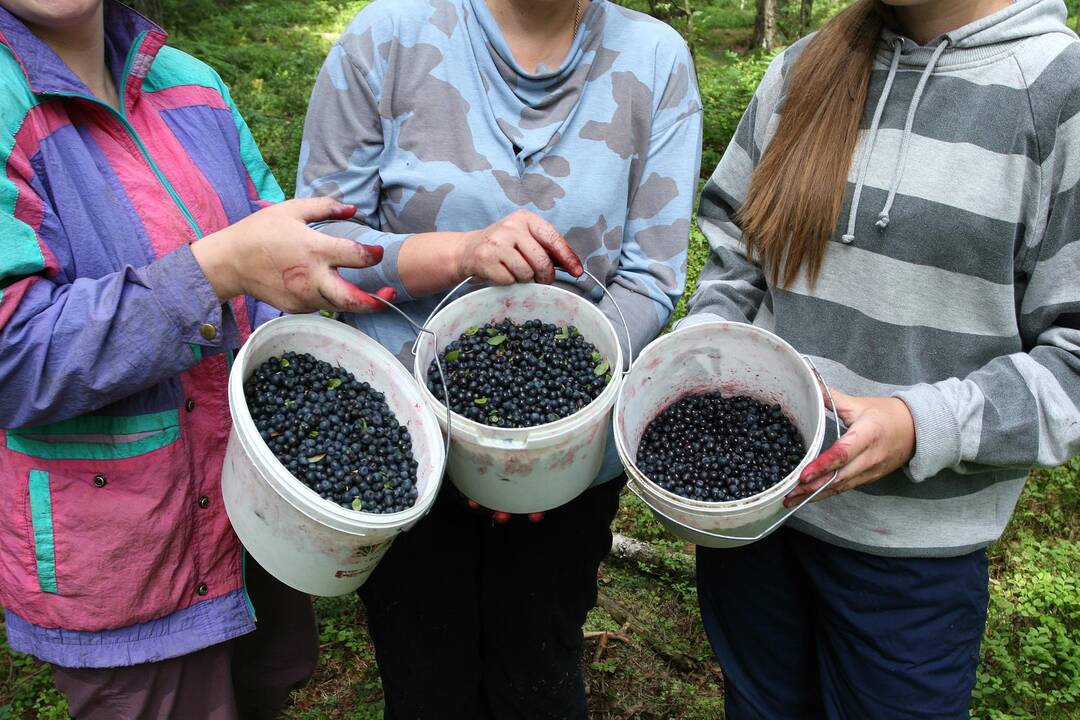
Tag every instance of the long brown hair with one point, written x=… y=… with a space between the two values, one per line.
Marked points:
x=797 y=189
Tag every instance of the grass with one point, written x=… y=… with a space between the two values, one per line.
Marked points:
x=269 y=54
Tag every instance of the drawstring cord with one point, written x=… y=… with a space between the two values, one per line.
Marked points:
x=864 y=162
x=905 y=144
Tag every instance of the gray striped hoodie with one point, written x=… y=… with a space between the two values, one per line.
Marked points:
x=952 y=281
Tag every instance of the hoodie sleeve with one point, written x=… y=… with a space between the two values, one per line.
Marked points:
x=1021 y=409
x=731 y=286
x=343 y=142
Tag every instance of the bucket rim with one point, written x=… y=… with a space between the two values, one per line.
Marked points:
x=721 y=507
x=544 y=431
x=289 y=487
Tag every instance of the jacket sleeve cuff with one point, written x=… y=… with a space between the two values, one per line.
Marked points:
x=189 y=302
x=937 y=431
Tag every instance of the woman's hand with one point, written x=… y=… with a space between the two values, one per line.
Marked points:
x=274 y=256
x=522 y=247
x=880 y=438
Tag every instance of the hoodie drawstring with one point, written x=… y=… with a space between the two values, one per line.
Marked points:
x=871 y=138
x=905 y=143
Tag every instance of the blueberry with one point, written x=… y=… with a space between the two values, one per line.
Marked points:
x=718 y=448
x=322 y=425
x=519 y=375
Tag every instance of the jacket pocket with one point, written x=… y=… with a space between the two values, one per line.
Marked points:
x=41 y=523
x=97 y=437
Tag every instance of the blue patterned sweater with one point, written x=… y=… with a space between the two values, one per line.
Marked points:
x=423 y=119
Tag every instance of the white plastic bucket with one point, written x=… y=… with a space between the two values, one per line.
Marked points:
x=524 y=470
x=736 y=359
x=305 y=541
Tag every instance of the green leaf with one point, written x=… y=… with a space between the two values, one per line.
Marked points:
x=313 y=434
x=473 y=330
x=363 y=424
x=480 y=400
x=326 y=313
x=574 y=331
x=290 y=403
x=357 y=505
x=601 y=368
x=596 y=356
x=452 y=355
x=497 y=340
x=333 y=383
x=563 y=334
x=316 y=458
x=284 y=362
x=492 y=331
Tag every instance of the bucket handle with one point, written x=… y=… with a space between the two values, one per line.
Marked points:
x=632 y=486
x=438 y=366
x=466 y=281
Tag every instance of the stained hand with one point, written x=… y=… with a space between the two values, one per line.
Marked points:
x=880 y=438
x=522 y=247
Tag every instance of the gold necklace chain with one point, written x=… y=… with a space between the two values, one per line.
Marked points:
x=577 y=18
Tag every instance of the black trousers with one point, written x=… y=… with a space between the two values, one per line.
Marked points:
x=473 y=620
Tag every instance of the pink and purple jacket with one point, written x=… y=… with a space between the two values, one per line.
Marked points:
x=115 y=548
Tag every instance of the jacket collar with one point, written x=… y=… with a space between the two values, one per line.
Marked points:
x=131 y=43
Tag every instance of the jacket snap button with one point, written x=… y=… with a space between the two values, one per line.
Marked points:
x=190 y=405
x=100 y=481
x=202 y=589
x=208 y=331
x=204 y=502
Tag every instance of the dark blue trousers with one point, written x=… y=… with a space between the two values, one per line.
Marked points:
x=804 y=629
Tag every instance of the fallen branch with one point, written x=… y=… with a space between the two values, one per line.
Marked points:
x=605 y=636
x=647 y=634
x=660 y=562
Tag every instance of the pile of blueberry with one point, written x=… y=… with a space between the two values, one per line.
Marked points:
x=714 y=448
x=335 y=434
x=512 y=376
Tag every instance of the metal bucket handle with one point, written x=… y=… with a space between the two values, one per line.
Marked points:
x=438 y=366
x=466 y=281
x=632 y=485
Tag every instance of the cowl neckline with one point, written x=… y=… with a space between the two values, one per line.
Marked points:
x=532 y=108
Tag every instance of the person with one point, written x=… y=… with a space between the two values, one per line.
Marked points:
x=139 y=245
x=507 y=141
x=900 y=203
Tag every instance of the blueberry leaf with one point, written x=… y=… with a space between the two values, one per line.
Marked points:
x=284 y=362
x=333 y=383
x=602 y=368
x=316 y=458
x=452 y=355
x=596 y=356
x=563 y=333
x=492 y=331
x=357 y=505
x=363 y=423
x=480 y=400
x=497 y=340
x=313 y=434
x=473 y=330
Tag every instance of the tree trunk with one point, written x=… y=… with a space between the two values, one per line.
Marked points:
x=689 y=12
x=765 y=26
x=806 y=15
